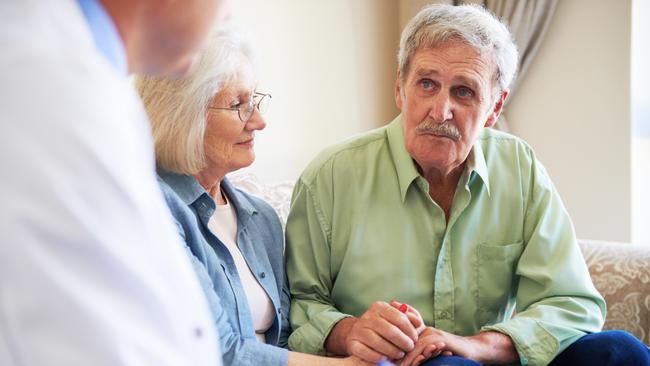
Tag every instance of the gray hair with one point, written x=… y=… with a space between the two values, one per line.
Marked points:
x=436 y=24
x=177 y=107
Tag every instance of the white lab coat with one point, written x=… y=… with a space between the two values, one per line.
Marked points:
x=92 y=271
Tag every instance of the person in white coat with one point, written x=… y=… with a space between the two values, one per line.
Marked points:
x=92 y=271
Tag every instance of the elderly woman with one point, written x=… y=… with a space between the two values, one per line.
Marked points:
x=204 y=128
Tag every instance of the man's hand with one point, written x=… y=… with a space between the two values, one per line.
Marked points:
x=412 y=314
x=382 y=332
x=485 y=347
x=432 y=343
x=430 y=351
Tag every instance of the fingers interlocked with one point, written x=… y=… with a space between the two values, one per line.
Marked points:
x=382 y=332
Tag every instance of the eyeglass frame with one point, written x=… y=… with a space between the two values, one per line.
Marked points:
x=252 y=104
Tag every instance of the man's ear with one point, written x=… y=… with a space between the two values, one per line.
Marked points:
x=498 y=107
x=398 y=92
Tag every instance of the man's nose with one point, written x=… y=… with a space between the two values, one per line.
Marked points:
x=441 y=107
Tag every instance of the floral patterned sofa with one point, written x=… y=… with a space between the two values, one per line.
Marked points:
x=620 y=271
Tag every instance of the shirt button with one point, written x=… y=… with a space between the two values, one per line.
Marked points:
x=444 y=315
x=262 y=274
x=198 y=332
x=279 y=311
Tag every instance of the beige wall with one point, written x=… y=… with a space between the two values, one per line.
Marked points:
x=573 y=107
x=330 y=66
x=640 y=79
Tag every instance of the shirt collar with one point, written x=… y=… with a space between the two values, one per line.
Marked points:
x=243 y=204
x=190 y=190
x=476 y=163
x=405 y=166
x=107 y=38
x=185 y=186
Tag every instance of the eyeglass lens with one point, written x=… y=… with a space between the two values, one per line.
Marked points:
x=263 y=103
x=246 y=110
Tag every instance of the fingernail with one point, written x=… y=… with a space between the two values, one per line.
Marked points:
x=403 y=308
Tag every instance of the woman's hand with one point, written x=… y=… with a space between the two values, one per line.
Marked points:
x=433 y=343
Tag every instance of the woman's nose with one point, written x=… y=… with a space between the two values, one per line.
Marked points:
x=257 y=122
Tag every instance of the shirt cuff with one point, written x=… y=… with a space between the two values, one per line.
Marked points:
x=310 y=337
x=534 y=344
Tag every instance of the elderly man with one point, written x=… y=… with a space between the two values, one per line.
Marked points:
x=91 y=268
x=441 y=212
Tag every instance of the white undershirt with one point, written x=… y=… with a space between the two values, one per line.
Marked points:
x=223 y=224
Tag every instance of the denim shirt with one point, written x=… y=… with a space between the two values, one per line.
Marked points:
x=260 y=240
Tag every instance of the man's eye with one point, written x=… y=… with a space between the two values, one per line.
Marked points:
x=426 y=84
x=464 y=92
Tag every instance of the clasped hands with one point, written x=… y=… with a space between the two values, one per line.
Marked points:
x=384 y=332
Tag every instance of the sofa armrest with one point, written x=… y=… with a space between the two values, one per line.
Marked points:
x=621 y=272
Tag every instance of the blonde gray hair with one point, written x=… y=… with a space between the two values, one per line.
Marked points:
x=472 y=24
x=177 y=107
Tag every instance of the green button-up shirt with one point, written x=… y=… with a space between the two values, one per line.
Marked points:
x=363 y=228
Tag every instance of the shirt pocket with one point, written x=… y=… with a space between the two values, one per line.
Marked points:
x=496 y=267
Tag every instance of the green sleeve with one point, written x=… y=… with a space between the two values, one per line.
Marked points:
x=313 y=313
x=557 y=302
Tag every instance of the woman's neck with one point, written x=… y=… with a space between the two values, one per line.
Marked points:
x=211 y=182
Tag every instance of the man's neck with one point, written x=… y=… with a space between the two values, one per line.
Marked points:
x=442 y=186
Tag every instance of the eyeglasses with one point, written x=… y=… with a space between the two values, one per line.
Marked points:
x=259 y=101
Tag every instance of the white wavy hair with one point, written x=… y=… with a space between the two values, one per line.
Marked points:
x=177 y=107
x=472 y=24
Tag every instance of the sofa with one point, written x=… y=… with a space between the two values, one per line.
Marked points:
x=620 y=271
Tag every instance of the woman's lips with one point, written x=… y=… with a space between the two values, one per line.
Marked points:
x=247 y=143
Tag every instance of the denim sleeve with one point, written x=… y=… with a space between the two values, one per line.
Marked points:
x=235 y=349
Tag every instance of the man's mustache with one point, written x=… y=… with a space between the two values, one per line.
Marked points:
x=440 y=129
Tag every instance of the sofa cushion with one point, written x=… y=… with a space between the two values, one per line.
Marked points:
x=621 y=272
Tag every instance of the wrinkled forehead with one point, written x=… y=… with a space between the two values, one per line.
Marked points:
x=453 y=55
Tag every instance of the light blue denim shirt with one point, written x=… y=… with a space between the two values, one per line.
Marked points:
x=260 y=240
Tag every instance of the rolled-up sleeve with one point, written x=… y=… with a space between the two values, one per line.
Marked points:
x=557 y=302
x=313 y=314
